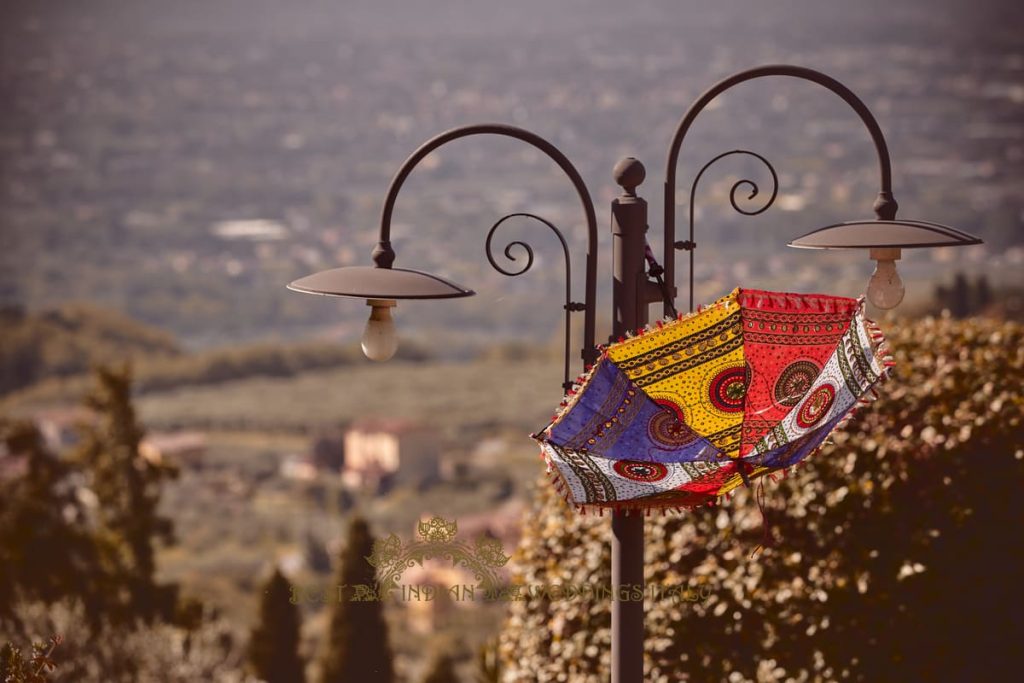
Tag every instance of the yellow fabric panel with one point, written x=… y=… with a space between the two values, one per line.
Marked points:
x=736 y=480
x=695 y=366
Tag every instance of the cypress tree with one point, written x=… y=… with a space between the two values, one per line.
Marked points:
x=982 y=294
x=357 y=646
x=317 y=557
x=274 y=644
x=127 y=486
x=960 y=297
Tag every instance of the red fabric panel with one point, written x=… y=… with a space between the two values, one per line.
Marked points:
x=787 y=338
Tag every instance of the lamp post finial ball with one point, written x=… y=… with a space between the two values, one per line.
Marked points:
x=629 y=173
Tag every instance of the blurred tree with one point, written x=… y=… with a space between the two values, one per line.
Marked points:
x=960 y=297
x=329 y=450
x=274 y=644
x=46 y=550
x=964 y=299
x=344 y=500
x=442 y=669
x=69 y=340
x=127 y=486
x=357 y=646
x=982 y=293
x=317 y=557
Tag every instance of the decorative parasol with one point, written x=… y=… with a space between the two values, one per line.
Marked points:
x=688 y=409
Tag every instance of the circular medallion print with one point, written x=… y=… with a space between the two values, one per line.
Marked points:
x=671 y=406
x=640 y=471
x=816 y=406
x=794 y=382
x=728 y=388
x=666 y=429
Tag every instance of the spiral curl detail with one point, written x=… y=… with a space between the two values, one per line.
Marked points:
x=527 y=250
x=733 y=191
x=754 y=189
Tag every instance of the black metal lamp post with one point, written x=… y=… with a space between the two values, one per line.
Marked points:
x=637 y=282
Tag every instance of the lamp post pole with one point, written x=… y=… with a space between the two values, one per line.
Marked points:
x=630 y=295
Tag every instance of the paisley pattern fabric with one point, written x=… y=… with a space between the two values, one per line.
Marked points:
x=689 y=409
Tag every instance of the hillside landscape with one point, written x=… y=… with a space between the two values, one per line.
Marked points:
x=203 y=478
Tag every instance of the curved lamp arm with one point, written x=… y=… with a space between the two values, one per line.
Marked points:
x=885 y=206
x=384 y=254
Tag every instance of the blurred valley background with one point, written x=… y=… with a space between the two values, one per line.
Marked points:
x=166 y=168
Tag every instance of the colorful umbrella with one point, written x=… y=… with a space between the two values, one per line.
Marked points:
x=689 y=409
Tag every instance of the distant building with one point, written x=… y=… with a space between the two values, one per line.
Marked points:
x=12 y=465
x=257 y=230
x=382 y=453
x=427 y=591
x=503 y=522
x=182 y=448
x=298 y=468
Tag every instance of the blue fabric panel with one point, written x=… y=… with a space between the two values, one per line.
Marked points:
x=614 y=419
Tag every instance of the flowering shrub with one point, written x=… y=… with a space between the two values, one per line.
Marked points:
x=892 y=557
x=15 y=667
x=137 y=653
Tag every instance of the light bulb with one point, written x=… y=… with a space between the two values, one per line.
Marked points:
x=379 y=340
x=885 y=289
